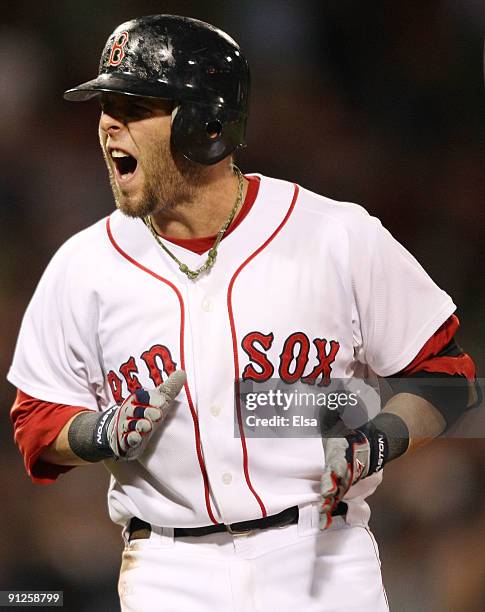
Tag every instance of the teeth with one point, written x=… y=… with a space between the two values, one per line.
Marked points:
x=117 y=153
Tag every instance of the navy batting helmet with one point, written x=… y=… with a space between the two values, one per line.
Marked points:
x=182 y=59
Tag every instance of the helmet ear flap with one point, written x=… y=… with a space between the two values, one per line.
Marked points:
x=206 y=133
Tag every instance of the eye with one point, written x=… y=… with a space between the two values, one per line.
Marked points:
x=126 y=109
x=141 y=109
x=107 y=107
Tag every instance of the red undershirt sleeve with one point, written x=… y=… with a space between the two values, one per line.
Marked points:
x=429 y=360
x=36 y=425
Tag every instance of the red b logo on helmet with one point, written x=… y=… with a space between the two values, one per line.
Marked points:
x=118 y=49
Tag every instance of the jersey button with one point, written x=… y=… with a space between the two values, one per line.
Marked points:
x=227 y=478
x=215 y=410
x=207 y=305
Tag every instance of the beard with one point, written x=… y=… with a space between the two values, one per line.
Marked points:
x=168 y=180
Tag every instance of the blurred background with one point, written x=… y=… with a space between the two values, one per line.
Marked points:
x=380 y=103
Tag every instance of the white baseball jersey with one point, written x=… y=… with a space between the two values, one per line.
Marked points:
x=304 y=287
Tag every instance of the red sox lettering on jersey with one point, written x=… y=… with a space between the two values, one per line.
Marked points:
x=291 y=365
x=159 y=363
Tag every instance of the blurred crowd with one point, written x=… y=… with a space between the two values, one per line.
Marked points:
x=380 y=103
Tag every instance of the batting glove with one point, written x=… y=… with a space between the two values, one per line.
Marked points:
x=125 y=430
x=347 y=461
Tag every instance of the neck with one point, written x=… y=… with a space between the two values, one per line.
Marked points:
x=207 y=209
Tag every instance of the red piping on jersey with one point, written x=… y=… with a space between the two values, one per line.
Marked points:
x=235 y=348
x=198 y=444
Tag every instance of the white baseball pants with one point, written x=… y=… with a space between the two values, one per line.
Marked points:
x=294 y=568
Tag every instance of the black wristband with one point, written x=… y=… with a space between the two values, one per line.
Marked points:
x=87 y=435
x=388 y=438
x=448 y=393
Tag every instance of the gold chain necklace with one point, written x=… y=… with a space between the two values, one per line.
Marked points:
x=211 y=257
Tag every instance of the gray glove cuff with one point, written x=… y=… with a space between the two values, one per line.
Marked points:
x=88 y=437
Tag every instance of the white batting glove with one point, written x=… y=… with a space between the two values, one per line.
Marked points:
x=126 y=429
x=347 y=460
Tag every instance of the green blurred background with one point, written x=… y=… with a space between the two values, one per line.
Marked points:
x=380 y=103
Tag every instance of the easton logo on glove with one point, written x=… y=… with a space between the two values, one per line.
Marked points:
x=106 y=417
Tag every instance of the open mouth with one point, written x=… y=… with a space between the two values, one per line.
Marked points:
x=125 y=164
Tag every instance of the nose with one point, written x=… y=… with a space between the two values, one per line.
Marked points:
x=109 y=123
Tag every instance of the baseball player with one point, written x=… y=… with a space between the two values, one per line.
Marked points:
x=144 y=325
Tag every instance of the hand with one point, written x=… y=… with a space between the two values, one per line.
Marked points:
x=347 y=460
x=126 y=429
